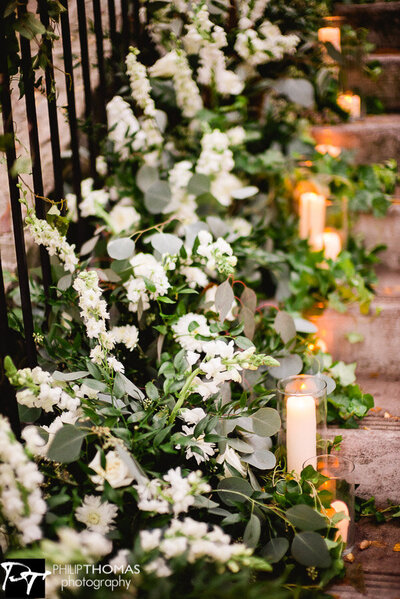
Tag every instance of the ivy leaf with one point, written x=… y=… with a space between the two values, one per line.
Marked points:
x=344 y=372
x=157 y=196
x=309 y=549
x=66 y=445
x=223 y=299
x=121 y=249
x=275 y=549
x=305 y=517
x=29 y=26
x=252 y=532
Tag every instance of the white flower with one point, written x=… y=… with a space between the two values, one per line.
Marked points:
x=192 y=357
x=173 y=547
x=198 y=326
x=223 y=187
x=150 y=539
x=101 y=166
x=159 y=568
x=115 y=473
x=231 y=457
x=145 y=265
x=123 y=218
x=44 y=234
x=97 y=516
x=192 y=416
x=120 y=560
x=115 y=364
x=127 y=334
x=194 y=276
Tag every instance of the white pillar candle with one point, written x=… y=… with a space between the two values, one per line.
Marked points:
x=342 y=525
x=312 y=217
x=332 y=244
x=330 y=34
x=301 y=431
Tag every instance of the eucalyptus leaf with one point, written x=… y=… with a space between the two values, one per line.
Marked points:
x=191 y=232
x=309 y=549
x=240 y=445
x=252 y=532
x=121 y=249
x=199 y=184
x=263 y=460
x=275 y=549
x=330 y=383
x=266 y=422
x=69 y=376
x=66 y=445
x=305 y=517
x=284 y=325
x=157 y=197
x=224 y=298
x=305 y=326
x=64 y=282
x=288 y=366
x=146 y=176
x=134 y=468
x=234 y=490
x=28 y=414
x=127 y=386
x=217 y=226
x=296 y=90
x=245 y=192
x=165 y=243
x=89 y=245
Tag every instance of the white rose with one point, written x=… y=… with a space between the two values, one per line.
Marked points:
x=123 y=218
x=115 y=473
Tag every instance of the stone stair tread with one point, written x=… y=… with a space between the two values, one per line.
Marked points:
x=376 y=570
x=375 y=138
x=384 y=230
x=382 y=19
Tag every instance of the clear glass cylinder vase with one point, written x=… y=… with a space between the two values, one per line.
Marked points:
x=302 y=408
x=340 y=485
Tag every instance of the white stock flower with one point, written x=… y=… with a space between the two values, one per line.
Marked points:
x=198 y=326
x=194 y=276
x=231 y=457
x=150 y=539
x=55 y=243
x=128 y=335
x=97 y=516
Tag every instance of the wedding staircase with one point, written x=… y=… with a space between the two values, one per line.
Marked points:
x=375 y=446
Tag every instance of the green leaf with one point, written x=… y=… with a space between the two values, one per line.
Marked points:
x=66 y=445
x=152 y=391
x=288 y=366
x=309 y=549
x=165 y=243
x=127 y=386
x=29 y=26
x=261 y=459
x=234 y=490
x=275 y=549
x=157 y=197
x=252 y=532
x=64 y=282
x=146 y=176
x=305 y=517
x=285 y=327
x=199 y=184
x=69 y=376
x=266 y=422
x=28 y=414
x=121 y=249
x=21 y=166
x=299 y=91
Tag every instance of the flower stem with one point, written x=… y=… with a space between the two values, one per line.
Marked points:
x=183 y=394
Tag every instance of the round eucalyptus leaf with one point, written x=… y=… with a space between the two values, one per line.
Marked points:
x=288 y=366
x=263 y=460
x=64 y=283
x=305 y=326
x=199 y=184
x=217 y=226
x=275 y=549
x=265 y=422
x=234 y=490
x=165 y=243
x=121 y=249
x=330 y=383
x=245 y=192
x=146 y=176
x=309 y=549
x=157 y=196
x=305 y=517
x=191 y=232
x=252 y=532
x=284 y=326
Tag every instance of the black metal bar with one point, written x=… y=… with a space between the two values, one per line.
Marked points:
x=137 y=30
x=72 y=120
x=28 y=80
x=126 y=29
x=8 y=401
x=98 y=30
x=52 y=110
x=112 y=24
x=83 y=39
x=15 y=204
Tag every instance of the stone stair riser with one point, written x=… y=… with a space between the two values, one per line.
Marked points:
x=386 y=88
x=385 y=231
x=382 y=19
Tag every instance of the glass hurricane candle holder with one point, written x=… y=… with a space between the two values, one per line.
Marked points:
x=302 y=407
x=340 y=471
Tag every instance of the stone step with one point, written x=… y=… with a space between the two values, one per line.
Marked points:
x=375 y=571
x=378 y=353
x=386 y=88
x=382 y=19
x=372 y=139
x=385 y=231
